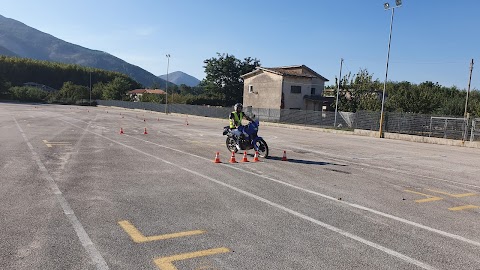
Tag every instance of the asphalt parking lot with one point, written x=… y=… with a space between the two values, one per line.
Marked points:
x=77 y=194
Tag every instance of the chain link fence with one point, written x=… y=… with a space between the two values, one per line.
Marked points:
x=475 y=131
x=395 y=122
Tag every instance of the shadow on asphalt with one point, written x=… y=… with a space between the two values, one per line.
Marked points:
x=309 y=162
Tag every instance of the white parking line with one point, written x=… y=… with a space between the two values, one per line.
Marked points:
x=283 y=208
x=412 y=223
x=87 y=243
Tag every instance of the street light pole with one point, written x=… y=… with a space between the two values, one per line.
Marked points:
x=387 y=7
x=166 y=88
x=90 y=88
x=338 y=90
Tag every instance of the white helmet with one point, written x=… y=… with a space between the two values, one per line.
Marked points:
x=238 y=105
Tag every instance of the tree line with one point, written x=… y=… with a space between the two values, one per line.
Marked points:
x=361 y=92
x=71 y=81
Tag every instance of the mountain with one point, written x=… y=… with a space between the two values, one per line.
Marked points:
x=7 y=52
x=179 y=77
x=25 y=41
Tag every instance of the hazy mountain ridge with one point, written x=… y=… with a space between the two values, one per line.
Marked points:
x=7 y=52
x=24 y=41
x=179 y=77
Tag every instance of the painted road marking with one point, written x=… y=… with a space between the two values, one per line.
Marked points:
x=453 y=195
x=138 y=237
x=464 y=207
x=166 y=263
x=429 y=198
x=50 y=144
x=364 y=208
x=82 y=235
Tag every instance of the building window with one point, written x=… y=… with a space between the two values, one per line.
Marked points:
x=295 y=89
x=312 y=91
x=250 y=89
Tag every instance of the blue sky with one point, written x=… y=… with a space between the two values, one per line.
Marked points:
x=432 y=40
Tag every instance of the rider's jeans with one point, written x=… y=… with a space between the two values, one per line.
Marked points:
x=237 y=134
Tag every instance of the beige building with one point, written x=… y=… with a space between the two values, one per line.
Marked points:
x=292 y=87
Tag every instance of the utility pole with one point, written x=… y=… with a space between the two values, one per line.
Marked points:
x=166 y=88
x=465 y=115
x=338 y=90
x=468 y=89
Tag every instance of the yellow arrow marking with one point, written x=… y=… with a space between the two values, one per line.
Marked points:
x=166 y=263
x=459 y=208
x=49 y=144
x=138 y=237
x=453 y=195
x=428 y=199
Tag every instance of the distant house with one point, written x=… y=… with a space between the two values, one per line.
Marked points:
x=137 y=93
x=291 y=87
x=40 y=86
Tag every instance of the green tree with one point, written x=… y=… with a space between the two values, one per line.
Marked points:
x=71 y=93
x=223 y=79
x=28 y=93
x=359 y=92
x=117 y=89
x=153 y=98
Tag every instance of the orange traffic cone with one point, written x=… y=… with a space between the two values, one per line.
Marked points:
x=217 y=158
x=232 y=159
x=145 y=131
x=121 y=130
x=255 y=158
x=245 y=157
x=284 y=158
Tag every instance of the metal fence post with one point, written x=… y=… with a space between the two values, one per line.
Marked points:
x=445 y=129
x=472 y=134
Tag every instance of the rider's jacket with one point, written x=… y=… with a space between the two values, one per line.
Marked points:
x=236 y=119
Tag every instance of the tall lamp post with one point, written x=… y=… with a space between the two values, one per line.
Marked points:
x=338 y=90
x=387 y=6
x=166 y=88
x=90 y=88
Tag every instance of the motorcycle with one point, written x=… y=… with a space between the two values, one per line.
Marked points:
x=249 y=139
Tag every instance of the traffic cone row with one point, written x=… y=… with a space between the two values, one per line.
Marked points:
x=233 y=160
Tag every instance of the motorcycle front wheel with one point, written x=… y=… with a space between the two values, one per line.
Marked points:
x=262 y=147
x=231 y=145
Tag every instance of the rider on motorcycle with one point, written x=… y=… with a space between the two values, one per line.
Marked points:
x=236 y=120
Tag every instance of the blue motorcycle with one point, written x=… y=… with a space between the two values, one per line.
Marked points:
x=249 y=139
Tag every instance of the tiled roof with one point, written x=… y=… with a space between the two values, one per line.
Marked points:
x=296 y=71
x=289 y=72
x=147 y=91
